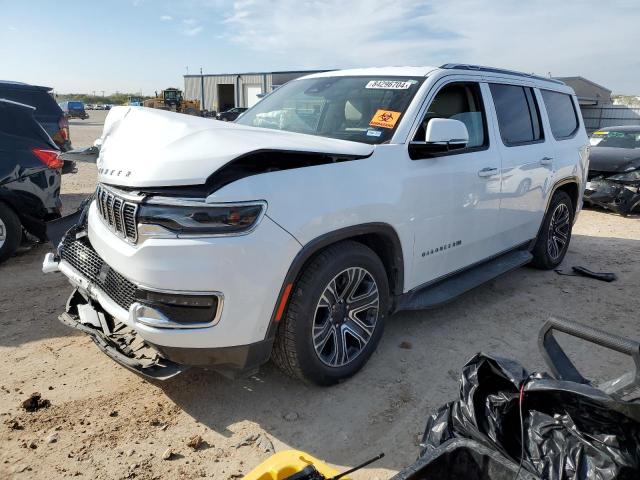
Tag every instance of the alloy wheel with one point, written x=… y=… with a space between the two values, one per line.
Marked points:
x=558 y=231
x=345 y=317
x=3 y=233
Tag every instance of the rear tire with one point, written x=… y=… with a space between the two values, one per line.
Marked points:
x=10 y=232
x=555 y=233
x=335 y=316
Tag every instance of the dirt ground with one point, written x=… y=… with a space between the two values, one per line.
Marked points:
x=105 y=422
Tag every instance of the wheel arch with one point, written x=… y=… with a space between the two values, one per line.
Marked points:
x=570 y=185
x=382 y=238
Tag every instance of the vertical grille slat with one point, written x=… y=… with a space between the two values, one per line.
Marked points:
x=118 y=213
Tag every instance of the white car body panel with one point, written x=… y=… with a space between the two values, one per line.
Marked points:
x=248 y=292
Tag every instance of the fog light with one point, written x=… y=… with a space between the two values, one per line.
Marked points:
x=175 y=310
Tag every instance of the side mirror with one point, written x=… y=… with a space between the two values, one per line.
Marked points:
x=442 y=135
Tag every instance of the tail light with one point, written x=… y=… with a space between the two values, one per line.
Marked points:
x=51 y=158
x=63 y=124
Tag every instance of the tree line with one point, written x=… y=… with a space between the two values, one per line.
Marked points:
x=113 y=99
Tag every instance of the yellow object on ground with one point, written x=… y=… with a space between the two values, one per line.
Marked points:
x=284 y=464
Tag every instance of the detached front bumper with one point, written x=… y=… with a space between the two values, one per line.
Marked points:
x=116 y=330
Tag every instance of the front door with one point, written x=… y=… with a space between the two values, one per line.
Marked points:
x=456 y=194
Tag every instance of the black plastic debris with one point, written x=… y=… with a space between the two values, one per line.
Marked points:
x=463 y=459
x=570 y=430
x=585 y=272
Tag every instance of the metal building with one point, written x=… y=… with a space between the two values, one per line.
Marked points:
x=219 y=92
x=589 y=93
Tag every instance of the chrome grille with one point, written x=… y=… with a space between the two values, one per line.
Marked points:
x=81 y=256
x=118 y=213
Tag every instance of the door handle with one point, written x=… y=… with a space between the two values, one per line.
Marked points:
x=488 y=172
x=546 y=160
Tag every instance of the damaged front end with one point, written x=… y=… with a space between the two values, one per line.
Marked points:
x=84 y=309
x=619 y=193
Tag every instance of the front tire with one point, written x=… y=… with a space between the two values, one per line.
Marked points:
x=335 y=315
x=10 y=232
x=555 y=233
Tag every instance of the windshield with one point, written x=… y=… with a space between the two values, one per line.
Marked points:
x=171 y=95
x=76 y=105
x=360 y=109
x=615 y=139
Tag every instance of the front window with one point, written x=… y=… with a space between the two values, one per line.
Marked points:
x=172 y=95
x=359 y=109
x=615 y=139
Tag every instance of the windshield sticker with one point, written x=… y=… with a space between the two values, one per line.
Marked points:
x=374 y=133
x=385 y=119
x=391 y=84
x=600 y=133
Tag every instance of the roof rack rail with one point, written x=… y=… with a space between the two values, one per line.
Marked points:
x=480 y=68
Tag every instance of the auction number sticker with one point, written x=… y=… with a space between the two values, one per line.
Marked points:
x=390 y=84
x=385 y=119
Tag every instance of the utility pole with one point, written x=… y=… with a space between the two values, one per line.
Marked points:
x=201 y=90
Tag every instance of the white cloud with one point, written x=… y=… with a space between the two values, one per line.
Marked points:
x=166 y=18
x=563 y=38
x=192 y=31
x=190 y=27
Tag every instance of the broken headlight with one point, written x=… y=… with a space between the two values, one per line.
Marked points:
x=628 y=177
x=191 y=218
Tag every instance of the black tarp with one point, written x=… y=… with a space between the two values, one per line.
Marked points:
x=571 y=430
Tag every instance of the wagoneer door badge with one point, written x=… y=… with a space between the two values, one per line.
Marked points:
x=442 y=248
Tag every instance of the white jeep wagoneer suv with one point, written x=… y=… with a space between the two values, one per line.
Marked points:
x=337 y=200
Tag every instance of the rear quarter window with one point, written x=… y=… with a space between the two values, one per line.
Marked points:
x=562 y=114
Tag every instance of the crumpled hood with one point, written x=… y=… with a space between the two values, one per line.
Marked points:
x=144 y=147
x=613 y=160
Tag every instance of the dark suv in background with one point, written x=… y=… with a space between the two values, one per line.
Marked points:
x=74 y=109
x=48 y=113
x=30 y=167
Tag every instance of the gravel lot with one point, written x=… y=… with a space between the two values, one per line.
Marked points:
x=105 y=422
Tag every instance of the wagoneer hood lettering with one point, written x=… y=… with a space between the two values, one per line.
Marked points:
x=142 y=147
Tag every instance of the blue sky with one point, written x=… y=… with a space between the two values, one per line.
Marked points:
x=146 y=45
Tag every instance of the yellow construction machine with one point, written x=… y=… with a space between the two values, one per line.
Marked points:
x=171 y=99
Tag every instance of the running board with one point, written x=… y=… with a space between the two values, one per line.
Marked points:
x=446 y=290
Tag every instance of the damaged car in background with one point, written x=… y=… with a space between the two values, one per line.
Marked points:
x=335 y=201
x=614 y=169
x=30 y=169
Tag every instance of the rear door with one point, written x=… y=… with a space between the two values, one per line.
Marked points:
x=527 y=161
x=456 y=194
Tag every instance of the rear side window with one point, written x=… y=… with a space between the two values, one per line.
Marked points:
x=562 y=114
x=518 y=114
